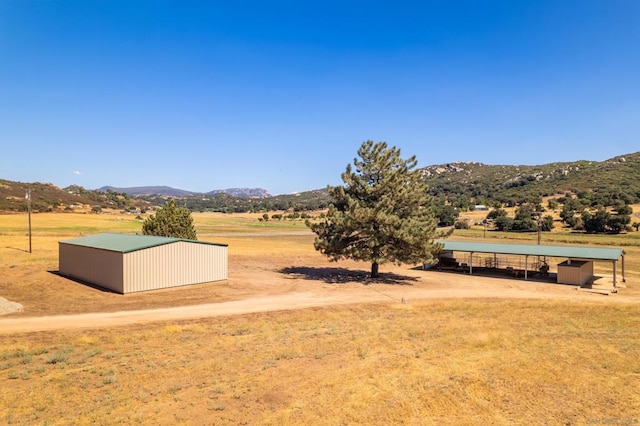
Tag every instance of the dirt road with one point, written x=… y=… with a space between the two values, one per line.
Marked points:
x=421 y=288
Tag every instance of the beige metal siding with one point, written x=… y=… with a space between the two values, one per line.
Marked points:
x=95 y=266
x=172 y=265
x=587 y=272
x=576 y=272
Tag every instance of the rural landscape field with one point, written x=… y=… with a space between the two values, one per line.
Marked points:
x=291 y=338
x=319 y=213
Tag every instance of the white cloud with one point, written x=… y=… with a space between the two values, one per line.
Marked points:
x=76 y=172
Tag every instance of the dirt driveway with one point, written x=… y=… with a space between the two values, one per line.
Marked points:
x=256 y=285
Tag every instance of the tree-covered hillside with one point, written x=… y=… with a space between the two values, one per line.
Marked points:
x=466 y=184
x=48 y=197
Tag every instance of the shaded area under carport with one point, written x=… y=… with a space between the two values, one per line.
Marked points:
x=576 y=269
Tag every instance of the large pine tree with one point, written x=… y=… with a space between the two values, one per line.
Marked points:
x=170 y=221
x=382 y=213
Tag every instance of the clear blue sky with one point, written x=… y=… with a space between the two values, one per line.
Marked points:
x=204 y=95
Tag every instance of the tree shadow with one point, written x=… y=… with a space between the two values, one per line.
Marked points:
x=343 y=276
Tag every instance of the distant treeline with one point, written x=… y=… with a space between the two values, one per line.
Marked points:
x=225 y=203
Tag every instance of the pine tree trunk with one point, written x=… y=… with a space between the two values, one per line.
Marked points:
x=374 y=270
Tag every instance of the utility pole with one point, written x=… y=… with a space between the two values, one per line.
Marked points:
x=486 y=223
x=29 y=210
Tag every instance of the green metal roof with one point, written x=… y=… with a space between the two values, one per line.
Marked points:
x=125 y=243
x=571 y=252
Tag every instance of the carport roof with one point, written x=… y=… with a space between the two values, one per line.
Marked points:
x=125 y=243
x=571 y=252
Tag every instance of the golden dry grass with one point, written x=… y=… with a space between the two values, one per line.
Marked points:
x=219 y=223
x=443 y=362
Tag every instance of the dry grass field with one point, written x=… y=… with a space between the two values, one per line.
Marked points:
x=459 y=350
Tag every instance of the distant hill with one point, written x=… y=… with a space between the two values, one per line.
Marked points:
x=486 y=184
x=243 y=192
x=48 y=197
x=174 y=192
x=148 y=190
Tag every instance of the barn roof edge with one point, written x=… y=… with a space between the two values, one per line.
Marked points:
x=126 y=243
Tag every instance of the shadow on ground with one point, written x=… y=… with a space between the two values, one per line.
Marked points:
x=342 y=276
x=84 y=283
x=16 y=248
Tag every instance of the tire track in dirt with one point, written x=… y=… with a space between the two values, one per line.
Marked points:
x=284 y=302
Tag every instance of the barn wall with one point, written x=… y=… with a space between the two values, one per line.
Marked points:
x=172 y=265
x=95 y=266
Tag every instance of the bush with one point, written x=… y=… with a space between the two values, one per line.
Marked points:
x=547 y=223
x=462 y=224
x=503 y=223
x=497 y=213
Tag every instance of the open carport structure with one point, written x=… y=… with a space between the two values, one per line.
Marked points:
x=576 y=269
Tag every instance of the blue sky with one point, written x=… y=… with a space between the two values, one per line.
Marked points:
x=204 y=95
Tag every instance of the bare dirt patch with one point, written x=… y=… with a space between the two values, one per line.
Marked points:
x=9 y=307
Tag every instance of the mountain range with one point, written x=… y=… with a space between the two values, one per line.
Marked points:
x=460 y=184
x=174 y=192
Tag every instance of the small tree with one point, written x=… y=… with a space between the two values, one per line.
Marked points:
x=496 y=213
x=170 y=221
x=623 y=209
x=382 y=214
x=546 y=225
x=596 y=222
x=446 y=214
x=462 y=224
x=503 y=223
x=618 y=223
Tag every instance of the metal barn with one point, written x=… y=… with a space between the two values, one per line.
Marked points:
x=131 y=263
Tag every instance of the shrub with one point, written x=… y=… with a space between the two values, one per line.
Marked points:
x=462 y=224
